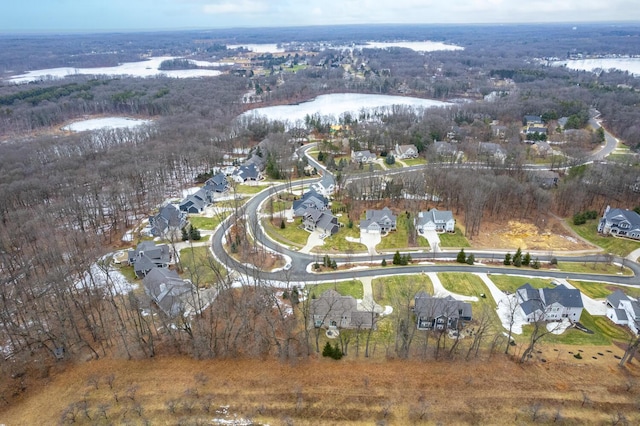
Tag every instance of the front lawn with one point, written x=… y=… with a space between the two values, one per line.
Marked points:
x=601 y=290
x=206 y=223
x=414 y=161
x=594 y=268
x=390 y=288
x=292 y=234
x=346 y=288
x=400 y=237
x=456 y=239
x=199 y=266
x=338 y=243
x=249 y=189
x=511 y=283
x=589 y=231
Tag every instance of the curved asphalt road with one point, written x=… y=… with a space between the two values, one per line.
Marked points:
x=300 y=262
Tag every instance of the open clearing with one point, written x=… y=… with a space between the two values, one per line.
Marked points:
x=178 y=390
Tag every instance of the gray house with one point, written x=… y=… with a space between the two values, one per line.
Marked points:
x=363 y=156
x=550 y=304
x=379 y=221
x=313 y=219
x=196 y=203
x=435 y=220
x=310 y=200
x=440 y=313
x=167 y=290
x=333 y=309
x=247 y=172
x=169 y=219
x=147 y=256
x=217 y=183
x=621 y=223
x=492 y=150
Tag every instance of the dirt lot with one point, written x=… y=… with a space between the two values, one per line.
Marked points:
x=321 y=391
x=526 y=235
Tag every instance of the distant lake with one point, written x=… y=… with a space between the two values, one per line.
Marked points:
x=105 y=123
x=333 y=106
x=418 y=46
x=632 y=65
x=148 y=68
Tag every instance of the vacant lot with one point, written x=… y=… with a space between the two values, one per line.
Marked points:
x=327 y=392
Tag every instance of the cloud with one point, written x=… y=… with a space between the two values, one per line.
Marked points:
x=240 y=7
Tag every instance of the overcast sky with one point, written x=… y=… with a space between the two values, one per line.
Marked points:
x=105 y=15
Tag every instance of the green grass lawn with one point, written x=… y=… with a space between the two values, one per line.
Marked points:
x=346 y=288
x=456 y=239
x=292 y=234
x=399 y=238
x=127 y=271
x=414 y=161
x=206 y=223
x=594 y=268
x=602 y=290
x=199 y=266
x=249 y=189
x=465 y=284
x=511 y=283
x=338 y=243
x=604 y=333
x=390 y=288
x=588 y=231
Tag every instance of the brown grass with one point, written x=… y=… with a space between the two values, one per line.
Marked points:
x=330 y=392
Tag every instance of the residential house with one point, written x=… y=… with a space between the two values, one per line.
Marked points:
x=217 y=183
x=545 y=178
x=363 y=157
x=440 y=313
x=168 y=291
x=403 y=152
x=621 y=223
x=532 y=120
x=169 y=220
x=147 y=256
x=492 y=150
x=313 y=219
x=550 y=304
x=310 y=200
x=446 y=150
x=542 y=148
x=536 y=128
x=332 y=309
x=247 y=172
x=623 y=310
x=196 y=203
x=499 y=131
x=435 y=220
x=378 y=221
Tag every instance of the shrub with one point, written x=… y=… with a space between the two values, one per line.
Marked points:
x=471 y=259
x=462 y=257
x=578 y=356
x=384 y=262
x=507 y=259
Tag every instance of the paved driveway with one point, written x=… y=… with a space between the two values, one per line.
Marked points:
x=434 y=240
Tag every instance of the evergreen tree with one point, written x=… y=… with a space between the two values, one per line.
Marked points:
x=462 y=257
x=282 y=224
x=526 y=260
x=384 y=262
x=327 y=351
x=185 y=234
x=517 y=258
x=535 y=264
x=507 y=259
x=194 y=234
x=397 y=259
x=471 y=259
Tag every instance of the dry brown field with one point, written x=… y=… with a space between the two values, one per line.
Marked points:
x=179 y=390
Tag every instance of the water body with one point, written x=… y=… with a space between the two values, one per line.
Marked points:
x=632 y=65
x=105 y=123
x=334 y=105
x=148 y=68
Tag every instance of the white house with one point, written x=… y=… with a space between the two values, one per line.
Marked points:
x=406 y=151
x=550 y=304
x=621 y=223
x=623 y=310
x=378 y=221
x=363 y=156
x=435 y=220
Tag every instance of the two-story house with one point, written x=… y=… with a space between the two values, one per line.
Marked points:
x=379 y=221
x=363 y=157
x=440 y=313
x=550 y=304
x=435 y=220
x=621 y=223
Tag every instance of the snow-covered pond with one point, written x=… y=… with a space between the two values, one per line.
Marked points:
x=148 y=68
x=334 y=105
x=105 y=123
x=631 y=65
x=418 y=46
x=258 y=48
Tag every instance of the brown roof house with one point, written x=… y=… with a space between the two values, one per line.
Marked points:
x=332 y=309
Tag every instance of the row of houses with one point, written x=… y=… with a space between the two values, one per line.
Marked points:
x=400 y=152
x=384 y=221
x=332 y=309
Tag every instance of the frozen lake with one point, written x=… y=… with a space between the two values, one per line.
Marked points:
x=148 y=68
x=336 y=104
x=632 y=65
x=105 y=123
x=418 y=46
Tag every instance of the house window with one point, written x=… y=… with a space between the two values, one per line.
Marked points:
x=565 y=315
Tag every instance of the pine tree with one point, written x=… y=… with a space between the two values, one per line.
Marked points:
x=507 y=259
x=517 y=258
x=462 y=257
x=526 y=260
x=471 y=259
x=397 y=259
x=384 y=262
